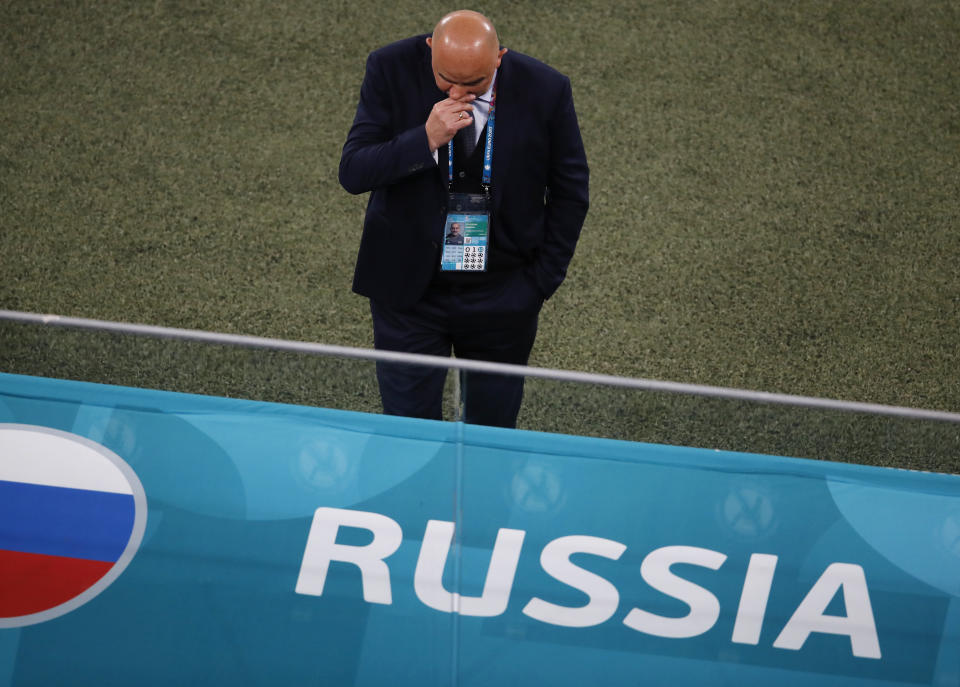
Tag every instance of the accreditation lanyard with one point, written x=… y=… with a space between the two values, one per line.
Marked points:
x=466 y=237
x=487 y=149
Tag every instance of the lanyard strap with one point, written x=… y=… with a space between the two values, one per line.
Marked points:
x=487 y=149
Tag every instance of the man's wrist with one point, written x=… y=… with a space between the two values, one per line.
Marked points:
x=431 y=147
x=431 y=144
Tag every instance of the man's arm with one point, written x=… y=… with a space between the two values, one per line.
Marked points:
x=372 y=155
x=567 y=195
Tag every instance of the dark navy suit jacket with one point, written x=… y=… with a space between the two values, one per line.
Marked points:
x=539 y=176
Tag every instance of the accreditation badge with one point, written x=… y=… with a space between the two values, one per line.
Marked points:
x=466 y=233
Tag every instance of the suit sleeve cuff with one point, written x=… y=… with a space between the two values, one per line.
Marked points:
x=416 y=150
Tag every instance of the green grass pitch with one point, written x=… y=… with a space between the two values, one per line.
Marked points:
x=774 y=189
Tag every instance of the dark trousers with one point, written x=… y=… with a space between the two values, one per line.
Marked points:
x=494 y=320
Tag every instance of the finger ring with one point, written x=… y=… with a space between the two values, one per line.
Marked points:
x=461 y=116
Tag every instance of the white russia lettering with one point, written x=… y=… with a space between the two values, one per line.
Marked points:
x=858 y=624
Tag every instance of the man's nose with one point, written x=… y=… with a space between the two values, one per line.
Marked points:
x=457 y=92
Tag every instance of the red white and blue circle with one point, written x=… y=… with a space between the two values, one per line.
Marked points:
x=72 y=516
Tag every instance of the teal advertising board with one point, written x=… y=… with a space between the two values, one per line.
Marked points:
x=158 y=538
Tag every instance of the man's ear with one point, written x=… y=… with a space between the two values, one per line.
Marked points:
x=500 y=54
x=430 y=42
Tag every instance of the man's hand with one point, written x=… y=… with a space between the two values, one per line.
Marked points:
x=447 y=118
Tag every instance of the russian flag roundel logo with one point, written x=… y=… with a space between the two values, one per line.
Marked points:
x=72 y=515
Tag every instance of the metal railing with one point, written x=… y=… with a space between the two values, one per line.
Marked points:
x=303 y=347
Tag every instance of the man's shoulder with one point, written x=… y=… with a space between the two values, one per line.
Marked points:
x=414 y=47
x=531 y=66
x=529 y=80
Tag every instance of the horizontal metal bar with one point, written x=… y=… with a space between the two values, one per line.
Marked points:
x=476 y=366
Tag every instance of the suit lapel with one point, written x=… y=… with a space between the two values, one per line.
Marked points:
x=505 y=131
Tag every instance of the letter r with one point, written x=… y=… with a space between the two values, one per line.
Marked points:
x=322 y=548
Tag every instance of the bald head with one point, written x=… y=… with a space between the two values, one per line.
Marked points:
x=466 y=53
x=465 y=31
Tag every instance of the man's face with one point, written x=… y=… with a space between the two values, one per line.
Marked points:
x=459 y=75
x=454 y=228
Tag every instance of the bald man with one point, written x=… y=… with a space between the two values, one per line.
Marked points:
x=452 y=127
